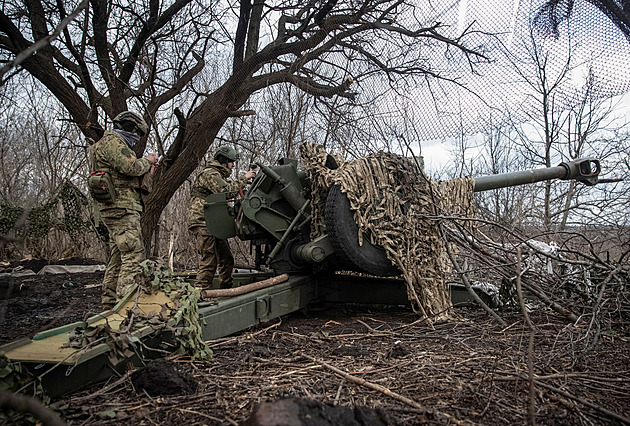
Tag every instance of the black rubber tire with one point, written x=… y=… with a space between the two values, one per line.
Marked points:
x=343 y=233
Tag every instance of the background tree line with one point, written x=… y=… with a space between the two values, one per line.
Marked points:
x=267 y=77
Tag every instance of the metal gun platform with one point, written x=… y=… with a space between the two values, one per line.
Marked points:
x=63 y=369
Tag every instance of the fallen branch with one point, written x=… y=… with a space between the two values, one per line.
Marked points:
x=596 y=311
x=539 y=382
x=24 y=404
x=530 y=348
x=379 y=388
x=226 y=340
x=365 y=383
x=531 y=287
x=608 y=413
x=537 y=291
x=96 y=394
x=228 y=292
x=467 y=283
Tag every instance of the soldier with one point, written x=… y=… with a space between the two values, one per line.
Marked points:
x=214 y=252
x=115 y=184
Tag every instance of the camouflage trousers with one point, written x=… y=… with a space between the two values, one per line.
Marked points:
x=126 y=251
x=215 y=256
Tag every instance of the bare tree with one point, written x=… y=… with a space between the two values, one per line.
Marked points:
x=567 y=119
x=39 y=153
x=41 y=165
x=115 y=56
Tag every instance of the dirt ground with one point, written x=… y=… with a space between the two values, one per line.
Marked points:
x=346 y=361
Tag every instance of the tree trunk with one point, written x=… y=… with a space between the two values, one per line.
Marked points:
x=201 y=129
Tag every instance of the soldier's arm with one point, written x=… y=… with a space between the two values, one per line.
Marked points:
x=241 y=182
x=125 y=162
x=235 y=185
x=213 y=181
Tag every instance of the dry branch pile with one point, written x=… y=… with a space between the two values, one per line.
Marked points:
x=469 y=371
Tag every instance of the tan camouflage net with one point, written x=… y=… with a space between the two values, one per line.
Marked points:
x=396 y=206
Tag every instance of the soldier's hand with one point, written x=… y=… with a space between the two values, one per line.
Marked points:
x=153 y=158
x=250 y=174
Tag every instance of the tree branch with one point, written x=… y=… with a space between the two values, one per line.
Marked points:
x=154 y=24
x=42 y=42
x=24 y=404
x=99 y=26
x=178 y=144
x=241 y=34
x=177 y=88
x=253 y=33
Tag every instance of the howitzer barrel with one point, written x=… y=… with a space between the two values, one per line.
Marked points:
x=584 y=170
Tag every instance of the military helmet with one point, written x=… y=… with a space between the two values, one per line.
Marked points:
x=140 y=126
x=227 y=152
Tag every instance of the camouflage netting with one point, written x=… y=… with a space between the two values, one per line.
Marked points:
x=182 y=312
x=33 y=223
x=397 y=207
x=14 y=378
x=68 y=211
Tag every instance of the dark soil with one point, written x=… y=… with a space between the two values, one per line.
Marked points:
x=343 y=363
x=34 y=303
x=309 y=412
x=161 y=377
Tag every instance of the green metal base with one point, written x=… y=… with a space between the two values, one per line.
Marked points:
x=57 y=380
x=227 y=316
x=222 y=317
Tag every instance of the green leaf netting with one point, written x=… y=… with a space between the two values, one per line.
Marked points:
x=14 y=378
x=185 y=314
x=69 y=211
x=179 y=317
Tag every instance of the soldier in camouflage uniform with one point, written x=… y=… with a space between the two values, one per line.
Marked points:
x=215 y=253
x=114 y=154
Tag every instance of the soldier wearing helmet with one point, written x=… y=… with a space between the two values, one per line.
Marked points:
x=215 y=253
x=114 y=163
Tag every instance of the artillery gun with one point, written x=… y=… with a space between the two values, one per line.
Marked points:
x=275 y=212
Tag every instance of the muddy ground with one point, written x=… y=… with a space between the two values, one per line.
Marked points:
x=351 y=365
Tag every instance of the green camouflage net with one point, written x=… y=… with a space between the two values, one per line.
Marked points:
x=396 y=206
x=185 y=314
x=69 y=211
x=180 y=318
x=33 y=223
x=14 y=378
x=76 y=209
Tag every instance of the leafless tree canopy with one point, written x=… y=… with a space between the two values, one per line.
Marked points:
x=149 y=56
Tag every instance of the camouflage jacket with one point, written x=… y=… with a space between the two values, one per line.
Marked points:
x=212 y=180
x=112 y=154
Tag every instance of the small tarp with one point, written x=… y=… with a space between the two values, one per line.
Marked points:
x=71 y=269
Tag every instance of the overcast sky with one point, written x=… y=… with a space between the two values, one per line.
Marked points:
x=594 y=43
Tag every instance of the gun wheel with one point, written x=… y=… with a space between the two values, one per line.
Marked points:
x=343 y=232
